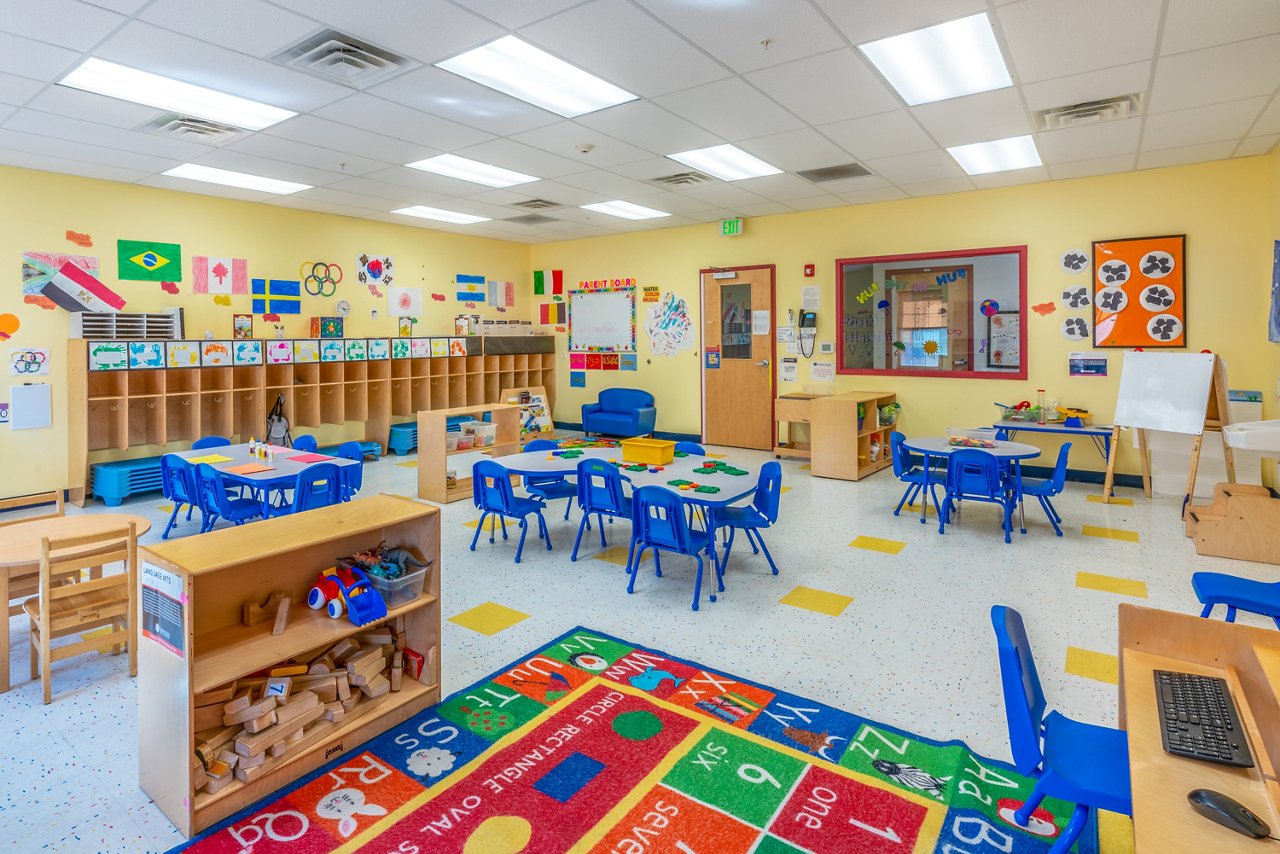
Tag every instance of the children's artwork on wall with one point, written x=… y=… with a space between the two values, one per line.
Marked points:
x=242 y=326
x=1075 y=297
x=404 y=326
x=108 y=356
x=400 y=348
x=78 y=238
x=320 y=278
x=577 y=379
x=247 y=352
x=419 y=348
x=439 y=347
x=1139 y=292
x=222 y=300
x=669 y=327
x=1273 y=322
x=4 y=412
x=332 y=350
x=210 y=275
x=404 y=302
x=326 y=327
x=214 y=353
x=280 y=353
x=29 y=362
x=39 y=267
x=1004 y=349
x=469 y=288
x=577 y=361
x=374 y=271
x=603 y=320
x=550 y=313
x=627 y=361
x=544 y=279
x=75 y=289
x=183 y=354
x=169 y=287
x=502 y=294
x=276 y=296
x=305 y=351
x=1075 y=328
x=357 y=350
x=1073 y=261
x=457 y=346
x=9 y=324
x=146 y=354
x=1044 y=309
x=148 y=261
x=379 y=349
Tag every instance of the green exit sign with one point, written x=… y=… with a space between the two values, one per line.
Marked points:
x=731 y=227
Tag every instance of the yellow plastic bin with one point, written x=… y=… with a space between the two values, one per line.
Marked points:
x=651 y=452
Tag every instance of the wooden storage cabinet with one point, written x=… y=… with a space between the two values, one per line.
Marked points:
x=840 y=448
x=217 y=574
x=434 y=455
x=794 y=410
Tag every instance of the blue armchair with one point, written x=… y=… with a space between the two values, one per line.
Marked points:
x=620 y=412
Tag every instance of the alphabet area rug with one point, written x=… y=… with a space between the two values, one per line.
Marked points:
x=593 y=744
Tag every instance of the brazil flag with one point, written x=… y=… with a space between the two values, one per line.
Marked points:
x=147 y=261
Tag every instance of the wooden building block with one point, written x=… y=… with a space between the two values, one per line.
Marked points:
x=230 y=757
x=323 y=664
x=396 y=675
x=259 y=724
x=377 y=636
x=218 y=769
x=251 y=761
x=224 y=694
x=343 y=650
x=282 y=617
x=327 y=691
x=397 y=660
x=289 y=670
x=344 y=686
x=297 y=708
x=209 y=742
x=278 y=749
x=251 y=712
x=199 y=777
x=365 y=662
x=217 y=784
x=253 y=613
x=278 y=687
x=238 y=703
x=207 y=717
x=349 y=704
x=333 y=712
x=377 y=686
x=398 y=623
x=248 y=775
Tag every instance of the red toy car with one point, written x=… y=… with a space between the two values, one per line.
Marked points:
x=339 y=588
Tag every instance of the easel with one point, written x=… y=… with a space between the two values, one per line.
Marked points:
x=1216 y=416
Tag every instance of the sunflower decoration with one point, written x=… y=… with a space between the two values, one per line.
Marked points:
x=930 y=347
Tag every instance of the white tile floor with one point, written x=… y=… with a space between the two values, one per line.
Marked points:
x=914 y=649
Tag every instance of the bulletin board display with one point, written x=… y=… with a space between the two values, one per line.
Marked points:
x=1140 y=292
x=1004 y=340
x=602 y=320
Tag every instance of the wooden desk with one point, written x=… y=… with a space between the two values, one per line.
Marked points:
x=1249 y=659
x=20 y=554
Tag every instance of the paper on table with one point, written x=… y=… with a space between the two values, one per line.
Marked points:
x=210 y=459
x=249 y=468
x=309 y=458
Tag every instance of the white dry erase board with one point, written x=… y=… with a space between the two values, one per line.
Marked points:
x=1165 y=391
x=30 y=406
x=603 y=320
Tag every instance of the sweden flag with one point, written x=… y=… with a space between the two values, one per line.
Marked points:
x=276 y=296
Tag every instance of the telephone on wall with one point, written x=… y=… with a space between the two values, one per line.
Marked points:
x=808 y=319
x=808 y=332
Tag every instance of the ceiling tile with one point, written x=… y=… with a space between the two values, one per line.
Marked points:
x=849 y=88
x=730 y=108
x=734 y=34
x=846 y=186
x=66 y=23
x=371 y=113
x=223 y=23
x=76 y=104
x=426 y=30
x=515 y=15
x=915 y=168
x=343 y=138
x=1269 y=121
x=62 y=127
x=938 y=188
x=1048 y=38
x=28 y=58
x=164 y=182
x=34 y=144
x=897 y=132
x=551 y=191
x=124 y=7
x=796 y=149
x=650 y=127
x=1240 y=70
x=1034 y=175
x=1099 y=166
x=440 y=185
x=1090 y=86
x=871 y=20
x=452 y=97
x=6 y=110
x=650 y=168
x=1257 y=145
x=563 y=138
x=1191 y=24
x=814 y=203
x=675 y=203
x=620 y=43
x=342 y=199
x=304 y=204
x=161 y=51
x=722 y=194
x=292 y=151
x=46 y=163
x=1089 y=142
x=975 y=118
x=18 y=90
x=1190 y=154
x=781 y=188
x=239 y=161
x=607 y=185
x=764 y=209
x=880 y=194
x=379 y=193
x=1214 y=123
x=522 y=158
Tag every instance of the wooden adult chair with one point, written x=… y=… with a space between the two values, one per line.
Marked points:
x=24 y=585
x=68 y=605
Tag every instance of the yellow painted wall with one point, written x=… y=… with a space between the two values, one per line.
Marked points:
x=40 y=207
x=1229 y=211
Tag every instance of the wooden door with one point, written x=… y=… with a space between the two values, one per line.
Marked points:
x=737 y=360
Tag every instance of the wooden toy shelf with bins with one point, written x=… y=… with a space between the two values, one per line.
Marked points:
x=219 y=572
x=833 y=421
x=433 y=452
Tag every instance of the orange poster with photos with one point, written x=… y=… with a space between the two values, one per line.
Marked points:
x=1140 y=292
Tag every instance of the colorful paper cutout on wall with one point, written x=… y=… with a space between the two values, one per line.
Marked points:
x=593 y=361
x=419 y=348
x=608 y=361
x=182 y=354
x=306 y=351
x=1045 y=309
x=577 y=361
x=169 y=287
x=276 y=296
x=29 y=362
x=1073 y=261
x=404 y=302
x=438 y=297
x=502 y=294
x=1076 y=297
x=543 y=278
x=247 y=352
x=1075 y=328
x=78 y=238
x=9 y=324
x=577 y=379
x=280 y=353
x=210 y=275
x=379 y=349
x=469 y=288
x=222 y=300
x=374 y=270
x=551 y=313
x=213 y=353
x=108 y=356
x=400 y=348
x=669 y=327
x=148 y=261
x=1134 y=279
x=146 y=354
x=357 y=350
x=332 y=350
x=457 y=346
x=39 y=267
x=627 y=361
x=439 y=347
x=74 y=289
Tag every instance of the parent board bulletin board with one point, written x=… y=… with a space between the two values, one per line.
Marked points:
x=602 y=320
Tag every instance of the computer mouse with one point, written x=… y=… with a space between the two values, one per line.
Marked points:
x=1228 y=812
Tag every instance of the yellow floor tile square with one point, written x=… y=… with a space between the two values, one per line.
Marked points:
x=928 y=511
x=1111 y=584
x=1115 y=499
x=1115 y=833
x=1110 y=533
x=412 y=464
x=165 y=508
x=786 y=489
x=1093 y=665
x=832 y=604
x=613 y=554
x=489 y=618
x=806 y=467
x=492 y=524
x=875 y=544
x=716 y=456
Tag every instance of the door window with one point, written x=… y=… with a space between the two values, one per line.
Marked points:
x=735 y=321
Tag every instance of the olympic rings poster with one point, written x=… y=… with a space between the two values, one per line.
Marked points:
x=320 y=278
x=28 y=362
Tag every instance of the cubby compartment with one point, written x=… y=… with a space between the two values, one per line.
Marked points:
x=247 y=376
x=402 y=396
x=491 y=388
x=108 y=425
x=356 y=403
x=475 y=389
x=420 y=367
x=457 y=392
x=491 y=364
x=307 y=373
x=332 y=404
x=355 y=371
x=215 y=379
x=105 y=384
x=420 y=394
x=182 y=381
x=306 y=403
x=401 y=368
x=216 y=414
x=378 y=370
x=279 y=376
x=249 y=414
x=474 y=364
x=146 y=383
x=146 y=421
x=331 y=372
x=182 y=417
x=506 y=363
x=439 y=367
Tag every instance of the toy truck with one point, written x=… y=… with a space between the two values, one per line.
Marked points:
x=347 y=589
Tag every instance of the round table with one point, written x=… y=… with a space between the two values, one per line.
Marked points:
x=20 y=553
x=937 y=446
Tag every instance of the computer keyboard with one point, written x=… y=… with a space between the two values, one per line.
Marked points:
x=1198 y=719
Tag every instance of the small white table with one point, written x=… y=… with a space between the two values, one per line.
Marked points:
x=937 y=446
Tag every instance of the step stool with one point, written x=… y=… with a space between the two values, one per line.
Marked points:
x=112 y=482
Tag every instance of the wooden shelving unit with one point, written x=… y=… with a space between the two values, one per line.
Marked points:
x=794 y=410
x=842 y=450
x=219 y=572
x=112 y=411
x=433 y=454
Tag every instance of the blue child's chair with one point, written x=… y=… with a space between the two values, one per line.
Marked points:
x=215 y=503
x=620 y=412
x=305 y=443
x=1258 y=597
x=492 y=493
x=1046 y=489
x=913 y=475
x=600 y=492
x=352 y=476
x=1084 y=764
x=658 y=522
x=178 y=484
x=209 y=442
x=318 y=485
x=974 y=475
x=549 y=487
x=761 y=513
x=693 y=449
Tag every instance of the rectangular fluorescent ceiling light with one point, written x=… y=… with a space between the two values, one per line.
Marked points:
x=523 y=71
x=440 y=215
x=999 y=155
x=726 y=162
x=244 y=181
x=471 y=170
x=626 y=210
x=944 y=61
x=165 y=93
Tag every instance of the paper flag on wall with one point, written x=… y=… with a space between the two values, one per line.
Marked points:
x=148 y=261
x=404 y=302
x=219 y=275
x=374 y=270
x=75 y=289
x=276 y=296
x=470 y=288
x=551 y=312
x=39 y=267
x=543 y=278
x=502 y=294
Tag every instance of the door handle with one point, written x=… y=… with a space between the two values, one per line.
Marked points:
x=764 y=363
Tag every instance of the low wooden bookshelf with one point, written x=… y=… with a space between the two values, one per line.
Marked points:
x=434 y=455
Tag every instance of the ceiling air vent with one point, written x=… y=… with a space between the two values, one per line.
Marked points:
x=1090 y=112
x=188 y=129
x=531 y=219
x=683 y=179
x=343 y=59
x=834 y=173
x=537 y=205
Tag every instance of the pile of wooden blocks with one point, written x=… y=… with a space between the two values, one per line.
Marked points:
x=244 y=725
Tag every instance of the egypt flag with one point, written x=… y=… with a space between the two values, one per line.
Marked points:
x=76 y=290
x=277 y=296
x=219 y=275
x=146 y=261
x=554 y=278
